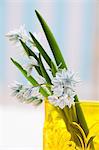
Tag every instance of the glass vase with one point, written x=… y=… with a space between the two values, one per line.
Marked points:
x=57 y=136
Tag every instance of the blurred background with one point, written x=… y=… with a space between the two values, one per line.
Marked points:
x=75 y=24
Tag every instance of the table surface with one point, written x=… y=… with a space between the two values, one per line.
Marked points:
x=21 y=128
x=20 y=148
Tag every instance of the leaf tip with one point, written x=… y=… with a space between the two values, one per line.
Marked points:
x=37 y=14
x=36 y=11
x=20 y=40
x=11 y=58
x=31 y=34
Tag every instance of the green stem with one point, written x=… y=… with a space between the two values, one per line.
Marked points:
x=73 y=114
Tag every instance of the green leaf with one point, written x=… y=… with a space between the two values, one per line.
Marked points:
x=53 y=69
x=30 y=78
x=24 y=72
x=44 y=92
x=44 y=54
x=41 y=49
x=80 y=116
x=29 y=52
x=38 y=70
x=44 y=72
x=52 y=42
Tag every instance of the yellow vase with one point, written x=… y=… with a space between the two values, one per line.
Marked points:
x=56 y=136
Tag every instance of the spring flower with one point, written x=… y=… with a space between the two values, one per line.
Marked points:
x=18 y=90
x=21 y=34
x=17 y=34
x=31 y=92
x=66 y=99
x=27 y=94
x=63 y=88
x=33 y=95
x=66 y=78
x=53 y=100
x=32 y=62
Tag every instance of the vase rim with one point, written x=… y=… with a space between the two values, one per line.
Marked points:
x=88 y=102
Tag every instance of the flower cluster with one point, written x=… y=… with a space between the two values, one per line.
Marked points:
x=64 y=88
x=18 y=34
x=63 y=84
x=27 y=94
x=21 y=34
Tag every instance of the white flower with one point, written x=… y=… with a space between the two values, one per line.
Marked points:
x=63 y=88
x=27 y=94
x=57 y=90
x=31 y=92
x=69 y=97
x=16 y=88
x=64 y=100
x=18 y=34
x=21 y=33
x=53 y=100
x=67 y=78
x=33 y=95
x=32 y=62
x=20 y=96
x=64 y=79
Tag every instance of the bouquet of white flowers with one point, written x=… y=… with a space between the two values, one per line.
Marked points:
x=55 y=84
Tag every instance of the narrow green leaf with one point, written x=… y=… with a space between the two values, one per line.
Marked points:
x=29 y=52
x=44 y=72
x=24 y=72
x=38 y=70
x=53 y=69
x=44 y=92
x=44 y=54
x=52 y=42
x=30 y=78
x=41 y=50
